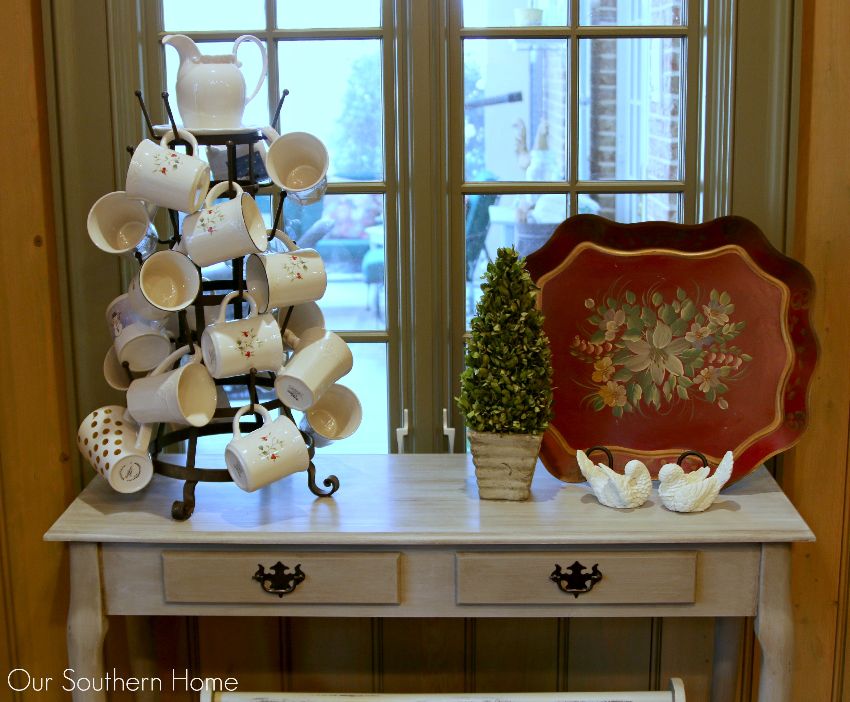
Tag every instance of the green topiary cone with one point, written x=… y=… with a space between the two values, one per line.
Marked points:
x=506 y=385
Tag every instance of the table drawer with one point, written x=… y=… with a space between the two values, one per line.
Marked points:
x=626 y=578
x=309 y=578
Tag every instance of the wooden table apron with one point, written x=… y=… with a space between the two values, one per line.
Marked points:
x=407 y=536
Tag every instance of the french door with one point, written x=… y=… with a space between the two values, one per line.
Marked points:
x=454 y=127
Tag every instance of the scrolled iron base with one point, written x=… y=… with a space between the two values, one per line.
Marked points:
x=181 y=510
x=331 y=482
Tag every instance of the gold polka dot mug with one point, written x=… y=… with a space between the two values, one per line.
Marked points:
x=117 y=448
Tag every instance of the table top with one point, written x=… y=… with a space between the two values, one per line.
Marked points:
x=419 y=500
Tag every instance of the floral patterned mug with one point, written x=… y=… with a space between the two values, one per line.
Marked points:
x=269 y=453
x=167 y=178
x=286 y=279
x=230 y=229
x=235 y=347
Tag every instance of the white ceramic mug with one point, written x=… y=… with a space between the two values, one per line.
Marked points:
x=117 y=448
x=235 y=347
x=119 y=224
x=185 y=395
x=298 y=163
x=167 y=178
x=307 y=315
x=114 y=373
x=172 y=323
x=138 y=341
x=320 y=359
x=228 y=230
x=336 y=415
x=167 y=282
x=286 y=279
x=269 y=453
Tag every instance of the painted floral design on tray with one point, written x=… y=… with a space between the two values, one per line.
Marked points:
x=209 y=219
x=293 y=267
x=165 y=162
x=270 y=447
x=656 y=353
x=248 y=343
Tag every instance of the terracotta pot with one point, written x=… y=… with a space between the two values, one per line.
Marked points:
x=504 y=464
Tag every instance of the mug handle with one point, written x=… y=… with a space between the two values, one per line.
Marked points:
x=291 y=340
x=262 y=411
x=217 y=190
x=183 y=134
x=270 y=134
x=170 y=359
x=222 y=310
x=287 y=242
x=143 y=437
x=248 y=37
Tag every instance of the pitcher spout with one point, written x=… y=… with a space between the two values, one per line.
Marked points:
x=186 y=48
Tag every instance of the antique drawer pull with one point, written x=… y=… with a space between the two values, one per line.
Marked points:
x=575 y=581
x=278 y=581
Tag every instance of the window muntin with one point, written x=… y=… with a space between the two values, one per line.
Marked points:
x=608 y=85
x=297 y=14
x=562 y=182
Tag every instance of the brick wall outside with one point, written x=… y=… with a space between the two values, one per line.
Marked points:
x=662 y=161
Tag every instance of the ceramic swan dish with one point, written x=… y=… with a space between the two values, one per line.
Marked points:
x=695 y=491
x=621 y=491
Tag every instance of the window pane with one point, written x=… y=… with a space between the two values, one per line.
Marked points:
x=634 y=207
x=514 y=13
x=630 y=101
x=348 y=232
x=295 y=14
x=368 y=379
x=635 y=12
x=493 y=221
x=339 y=98
x=201 y=15
x=256 y=111
x=515 y=109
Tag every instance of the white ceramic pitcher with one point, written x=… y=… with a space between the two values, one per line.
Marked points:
x=211 y=88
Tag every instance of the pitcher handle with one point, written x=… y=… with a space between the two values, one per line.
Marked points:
x=263 y=412
x=249 y=37
x=222 y=310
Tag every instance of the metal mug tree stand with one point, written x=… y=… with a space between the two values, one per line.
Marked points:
x=211 y=294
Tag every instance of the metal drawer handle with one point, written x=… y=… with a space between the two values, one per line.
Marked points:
x=575 y=581
x=278 y=581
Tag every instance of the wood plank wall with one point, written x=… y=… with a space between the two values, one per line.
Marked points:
x=35 y=480
x=428 y=655
x=815 y=473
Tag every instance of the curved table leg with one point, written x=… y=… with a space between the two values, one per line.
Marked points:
x=86 y=620
x=775 y=624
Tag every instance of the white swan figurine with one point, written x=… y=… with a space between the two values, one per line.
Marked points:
x=695 y=491
x=621 y=491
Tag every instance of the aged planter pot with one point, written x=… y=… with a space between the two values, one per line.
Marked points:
x=504 y=464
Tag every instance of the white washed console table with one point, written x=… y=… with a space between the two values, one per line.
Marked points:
x=414 y=540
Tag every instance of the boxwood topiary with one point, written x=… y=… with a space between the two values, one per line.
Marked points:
x=506 y=385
